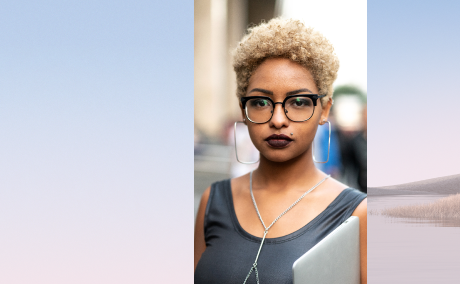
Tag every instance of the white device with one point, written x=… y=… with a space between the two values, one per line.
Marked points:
x=335 y=259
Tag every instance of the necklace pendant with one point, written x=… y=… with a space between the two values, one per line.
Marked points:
x=254 y=266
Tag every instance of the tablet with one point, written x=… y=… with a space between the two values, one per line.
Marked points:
x=335 y=259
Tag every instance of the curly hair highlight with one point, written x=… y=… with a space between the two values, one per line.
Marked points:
x=286 y=38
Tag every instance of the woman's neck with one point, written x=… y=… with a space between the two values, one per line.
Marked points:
x=299 y=171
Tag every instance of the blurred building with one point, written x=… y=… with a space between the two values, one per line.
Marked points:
x=219 y=26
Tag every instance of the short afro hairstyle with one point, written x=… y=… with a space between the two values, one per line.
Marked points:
x=286 y=38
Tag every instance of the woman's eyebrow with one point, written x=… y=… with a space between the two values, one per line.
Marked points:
x=298 y=91
x=262 y=91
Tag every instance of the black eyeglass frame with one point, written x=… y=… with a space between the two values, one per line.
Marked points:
x=313 y=97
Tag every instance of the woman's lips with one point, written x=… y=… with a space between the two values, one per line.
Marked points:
x=278 y=140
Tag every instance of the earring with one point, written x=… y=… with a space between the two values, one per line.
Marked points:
x=328 y=146
x=236 y=151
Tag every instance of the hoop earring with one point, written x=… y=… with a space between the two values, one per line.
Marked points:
x=236 y=151
x=328 y=147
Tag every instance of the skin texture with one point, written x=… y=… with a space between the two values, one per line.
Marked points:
x=283 y=174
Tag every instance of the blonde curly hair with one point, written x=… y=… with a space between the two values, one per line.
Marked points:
x=286 y=38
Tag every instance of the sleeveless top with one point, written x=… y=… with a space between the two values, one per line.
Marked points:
x=231 y=251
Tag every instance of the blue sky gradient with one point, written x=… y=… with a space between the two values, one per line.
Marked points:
x=96 y=146
x=413 y=101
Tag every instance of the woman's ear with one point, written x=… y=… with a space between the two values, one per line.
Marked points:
x=325 y=112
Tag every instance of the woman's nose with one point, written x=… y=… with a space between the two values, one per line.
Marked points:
x=279 y=118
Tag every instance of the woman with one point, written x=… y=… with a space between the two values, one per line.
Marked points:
x=284 y=74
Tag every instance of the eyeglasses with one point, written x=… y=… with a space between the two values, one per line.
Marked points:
x=298 y=108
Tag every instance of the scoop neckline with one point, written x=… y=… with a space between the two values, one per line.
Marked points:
x=284 y=238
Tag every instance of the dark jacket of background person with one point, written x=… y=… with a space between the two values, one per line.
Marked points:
x=354 y=158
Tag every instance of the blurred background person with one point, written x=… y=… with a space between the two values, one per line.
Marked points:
x=358 y=155
x=350 y=113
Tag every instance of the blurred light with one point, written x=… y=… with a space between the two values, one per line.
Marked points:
x=348 y=112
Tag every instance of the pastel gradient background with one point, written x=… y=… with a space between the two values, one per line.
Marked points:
x=96 y=141
x=413 y=91
x=96 y=175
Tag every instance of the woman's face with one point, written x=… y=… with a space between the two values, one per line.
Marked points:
x=276 y=78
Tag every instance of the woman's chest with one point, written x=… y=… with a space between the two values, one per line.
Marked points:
x=229 y=259
x=279 y=214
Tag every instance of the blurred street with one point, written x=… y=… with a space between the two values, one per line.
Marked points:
x=212 y=163
x=204 y=180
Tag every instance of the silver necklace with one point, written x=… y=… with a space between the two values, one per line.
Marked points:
x=254 y=265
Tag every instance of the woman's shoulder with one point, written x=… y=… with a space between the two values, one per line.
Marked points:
x=342 y=195
x=338 y=188
x=354 y=200
x=220 y=186
x=335 y=185
x=346 y=200
x=330 y=190
x=352 y=195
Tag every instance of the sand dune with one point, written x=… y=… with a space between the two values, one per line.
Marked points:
x=441 y=185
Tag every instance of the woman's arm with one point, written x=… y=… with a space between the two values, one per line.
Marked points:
x=200 y=244
x=361 y=213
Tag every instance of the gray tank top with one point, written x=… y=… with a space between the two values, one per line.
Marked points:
x=231 y=251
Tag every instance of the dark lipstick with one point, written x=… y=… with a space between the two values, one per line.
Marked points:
x=278 y=140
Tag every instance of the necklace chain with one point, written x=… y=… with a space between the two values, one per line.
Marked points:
x=254 y=266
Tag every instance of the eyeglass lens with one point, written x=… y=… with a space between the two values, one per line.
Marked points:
x=296 y=108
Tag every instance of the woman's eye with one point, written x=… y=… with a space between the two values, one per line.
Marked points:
x=259 y=103
x=301 y=102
